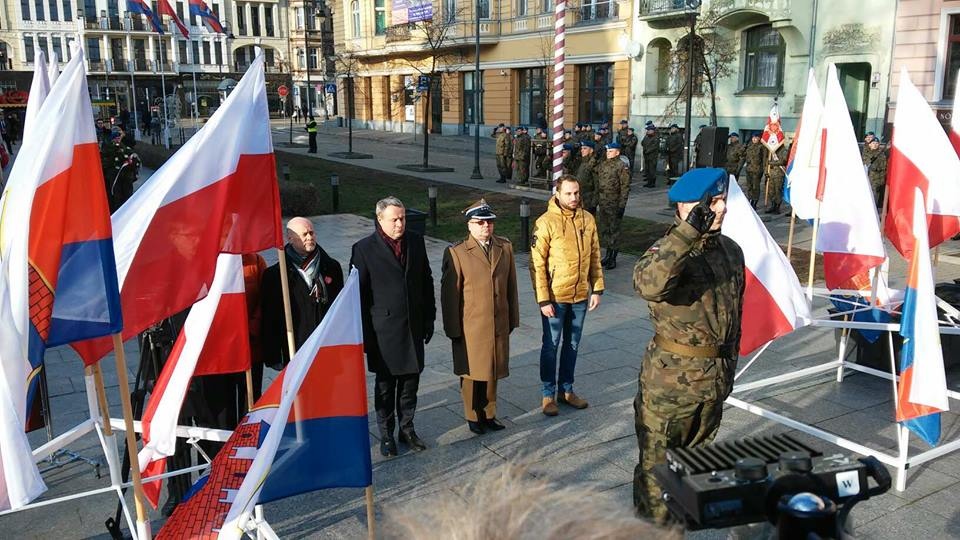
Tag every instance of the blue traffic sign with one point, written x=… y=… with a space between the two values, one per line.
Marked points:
x=330 y=88
x=423 y=83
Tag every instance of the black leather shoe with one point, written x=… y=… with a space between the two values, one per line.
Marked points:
x=411 y=439
x=388 y=447
x=493 y=424
x=502 y=181
x=476 y=427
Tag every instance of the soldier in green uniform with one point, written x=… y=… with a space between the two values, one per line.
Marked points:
x=586 y=175
x=867 y=154
x=120 y=167
x=578 y=133
x=877 y=170
x=628 y=147
x=521 y=155
x=541 y=153
x=693 y=282
x=587 y=133
x=568 y=136
x=622 y=132
x=605 y=136
x=776 y=171
x=570 y=156
x=674 y=153
x=613 y=186
x=755 y=157
x=651 y=152
x=736 y=153
x=502 y=136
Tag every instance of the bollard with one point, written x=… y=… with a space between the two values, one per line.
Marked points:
x=432 y=194
x=335 y=188
x=524 y=223
x=286 y=172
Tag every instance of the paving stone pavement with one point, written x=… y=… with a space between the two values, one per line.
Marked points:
x=596 y=446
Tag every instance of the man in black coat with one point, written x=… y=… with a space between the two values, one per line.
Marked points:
x=398 y=311
x=315 y=280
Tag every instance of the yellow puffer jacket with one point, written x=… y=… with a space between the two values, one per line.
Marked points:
x=565 y=256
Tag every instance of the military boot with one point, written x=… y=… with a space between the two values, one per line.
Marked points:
x=770 y=209
x=606 y=258
x=611 y=262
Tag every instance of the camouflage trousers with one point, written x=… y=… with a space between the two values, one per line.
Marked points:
x=679 y=403
x=609 y=220
x=542 y=163
x=878 y=188
x=523 y=171
x=753 y=185
x=504 y=167
x=774 y=189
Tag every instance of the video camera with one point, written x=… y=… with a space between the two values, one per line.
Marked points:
x=774 y=478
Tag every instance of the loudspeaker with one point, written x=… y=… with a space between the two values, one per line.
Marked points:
x=713 y=147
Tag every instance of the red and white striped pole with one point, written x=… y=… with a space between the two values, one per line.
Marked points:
x=560 y=28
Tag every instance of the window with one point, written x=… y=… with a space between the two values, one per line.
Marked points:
x=241 y=18
x=28 y=49
x=182 y=51
x=57 y=48
x=953 y=57
x=179 y=10
x=67 y=11
x=206 y=52
x=546 y=6
x=598 y=10
x=661 y=71
x=299 y=15
x=314 y=59
x=268 y=57
x=113 y=14
x=484 y=9
x=25 y=10
x=195 y=49
x=521 y=8
x=450 y=10
x=90 y=10
x=255 y=20
x=596 y=93
x=763 y=60
x=52 y=4
x=93 y=49
x=355 y=12
x=533 y=94
x=116 y=52
x=472 y=92
x=42 y=45
x=380 y=17
x=218 y=53
x=38 y=5
x=268 y=20
x=301 y=59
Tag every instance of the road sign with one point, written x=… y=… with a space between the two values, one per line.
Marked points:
x=282 y=90
x=423 y=83
x=330 y=88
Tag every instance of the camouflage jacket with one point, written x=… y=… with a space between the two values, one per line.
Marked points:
x=541 y=145
x=736 y=153
x=613 y=181
x=651 y=146
x=587 y=175
x=867 y=154
x=628 y=145
x=694 y=286
x=877 y=168
x=571 y=163
x=503 y=143
x=777 y=163
x=622 y=134
x=756 y=158
x=521 y=147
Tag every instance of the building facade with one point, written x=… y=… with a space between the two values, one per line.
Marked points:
x=761 y=50
x=123 y=52
x=311 y=41
x=385 y=59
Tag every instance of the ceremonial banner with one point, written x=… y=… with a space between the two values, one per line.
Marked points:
x=849 y=227
x=279 y=449
x=773 y=137
x=773 y=302
x=215 y=340
x=217 y=194
x=922 y=390
x=927 y=163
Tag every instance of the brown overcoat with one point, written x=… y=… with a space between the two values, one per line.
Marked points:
x=478 y=297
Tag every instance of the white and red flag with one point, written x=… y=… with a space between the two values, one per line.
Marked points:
x=214 y=340
x=849 y=227
x=217 y=194
x=803 y=165
x=773 y=137
x=773 y=302
x=39 y=88
x=928 y=163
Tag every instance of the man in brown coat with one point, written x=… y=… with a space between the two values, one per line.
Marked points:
x=478 y=296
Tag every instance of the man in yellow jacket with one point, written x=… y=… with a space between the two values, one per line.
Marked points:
x=568 y=281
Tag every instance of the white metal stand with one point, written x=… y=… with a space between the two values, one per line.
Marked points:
x=901 y=460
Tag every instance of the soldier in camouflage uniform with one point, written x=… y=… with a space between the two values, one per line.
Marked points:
x=651 y=152
x=502 y=135
x=586 y=175
x=541 y=153
x=755 y=157
x=622 y=133
x=628 y=147
x=120 y=167
x=674 y=153
x=776 y=171
x=613 y=185
x=693 y=282
x=867 y=154
x=570 y=156
x=521 y=155
x=877 y=170
x=736 y=154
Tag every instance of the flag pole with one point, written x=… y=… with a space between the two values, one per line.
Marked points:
x=821 y=185
x=291 y=343
x=249 y=377
x=143 y=524
x=371 y=518
x=102 y=398
x=163 y=90
x=793 y=219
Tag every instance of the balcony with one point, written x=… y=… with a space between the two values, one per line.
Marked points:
x=403 y=38
x=664 y=13
x=742 y=13
x=597 y=12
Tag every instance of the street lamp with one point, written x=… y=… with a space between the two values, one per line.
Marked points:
x=693 y=6
x=476 y=175
x=321 y=18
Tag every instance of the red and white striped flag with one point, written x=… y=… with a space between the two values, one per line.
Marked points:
x=773 y=302
x=927 y=163
x=214 y=340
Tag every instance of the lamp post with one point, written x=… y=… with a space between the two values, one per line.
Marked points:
x=307 y=4
x=693 y=6
x=476 y=175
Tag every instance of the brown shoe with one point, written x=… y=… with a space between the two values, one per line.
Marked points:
x=550 y=407
x=572 y=400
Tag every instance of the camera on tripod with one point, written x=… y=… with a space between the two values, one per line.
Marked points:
x=804 y=493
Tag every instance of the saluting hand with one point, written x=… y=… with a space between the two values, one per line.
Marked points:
x=698 y=214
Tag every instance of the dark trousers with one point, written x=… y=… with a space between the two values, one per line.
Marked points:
x=650 y=170
x=395 y=398
x=313 y=142
x=675 y=163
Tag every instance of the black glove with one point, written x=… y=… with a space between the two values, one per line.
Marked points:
x=701 y=217
x=427 y=332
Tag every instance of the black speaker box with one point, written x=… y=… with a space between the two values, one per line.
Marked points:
x=713 y=147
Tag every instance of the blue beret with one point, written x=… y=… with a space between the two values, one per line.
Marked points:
x=735 y=134
x=568 y=146
x=613 y=146
x=696 y=183
x=871 y=133
x=674 y=126
x=566 y=131
x=587 y=143
x=649 y=122
x=651 y=127
x=624 y=122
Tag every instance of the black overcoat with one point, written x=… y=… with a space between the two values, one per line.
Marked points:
x=398 y=308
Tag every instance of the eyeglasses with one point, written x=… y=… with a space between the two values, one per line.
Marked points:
x=482 y=222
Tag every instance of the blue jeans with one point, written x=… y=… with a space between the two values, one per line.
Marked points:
x=568 y=324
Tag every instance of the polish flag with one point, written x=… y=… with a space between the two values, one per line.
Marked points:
x=164 y=8
x=773 y=302
x=217 y=194
x=928 y=163
x=849 y=227
x=39 y=89
x=803 y=165
x=214 y=340
x=922 y=390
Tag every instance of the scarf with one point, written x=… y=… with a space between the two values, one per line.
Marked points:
x=308 y=268
x=396 y=246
